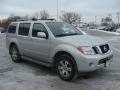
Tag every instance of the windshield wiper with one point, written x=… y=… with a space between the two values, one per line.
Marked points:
x=74 y=34
x=61 y=35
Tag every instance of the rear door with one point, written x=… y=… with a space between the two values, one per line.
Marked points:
x=23 y=37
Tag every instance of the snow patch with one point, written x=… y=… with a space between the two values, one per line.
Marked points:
x=115 y=33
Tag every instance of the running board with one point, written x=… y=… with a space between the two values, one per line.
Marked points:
x=47 y=64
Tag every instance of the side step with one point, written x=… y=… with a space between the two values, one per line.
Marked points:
x=47 y=64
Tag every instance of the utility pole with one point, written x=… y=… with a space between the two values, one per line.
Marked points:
x=0 y=22
x=57 y=10
x=118 y=17
x=95 y=21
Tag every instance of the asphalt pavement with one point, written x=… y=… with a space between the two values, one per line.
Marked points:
x=31 y=76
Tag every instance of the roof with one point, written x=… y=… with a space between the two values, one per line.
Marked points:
x=35 y=20
x=32 y=21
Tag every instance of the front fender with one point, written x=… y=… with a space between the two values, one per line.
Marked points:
x=66 y=48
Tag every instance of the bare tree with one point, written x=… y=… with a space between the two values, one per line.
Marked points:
x=70 y=17
x=36 y=15
x=118 y=17
x=107 y=21
x=44 y=15
x=26 y=17
x=13 y=18
x=41 y=15
x=7 y=21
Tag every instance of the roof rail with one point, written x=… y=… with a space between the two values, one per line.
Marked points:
x=34 y=19
x=20 y=20
x=49 y=19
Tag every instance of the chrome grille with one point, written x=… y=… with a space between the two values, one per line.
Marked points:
x=102 y=49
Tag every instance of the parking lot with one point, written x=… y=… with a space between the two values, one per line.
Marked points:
x=31 y=76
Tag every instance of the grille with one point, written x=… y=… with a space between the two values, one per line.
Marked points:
x=103 y=49
x=96 y=50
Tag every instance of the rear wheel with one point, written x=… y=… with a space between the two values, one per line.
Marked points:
x=15 y=55
x=66 y=68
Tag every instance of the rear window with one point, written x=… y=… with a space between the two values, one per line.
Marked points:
x=12 y=28
x=24 y=29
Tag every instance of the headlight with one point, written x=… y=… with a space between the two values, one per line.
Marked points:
x=86 y=50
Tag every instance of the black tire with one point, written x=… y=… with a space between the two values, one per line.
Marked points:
x=66 y=67
x=14 y=53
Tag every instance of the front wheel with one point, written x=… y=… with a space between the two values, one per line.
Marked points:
x=66 y=68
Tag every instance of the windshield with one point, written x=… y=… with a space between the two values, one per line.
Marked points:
x=60 y=29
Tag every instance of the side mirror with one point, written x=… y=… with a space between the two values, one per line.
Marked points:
x=41 y=34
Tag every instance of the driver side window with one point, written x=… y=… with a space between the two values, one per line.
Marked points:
x=38 y=27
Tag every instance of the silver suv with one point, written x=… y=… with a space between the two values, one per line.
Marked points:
x=58 y=45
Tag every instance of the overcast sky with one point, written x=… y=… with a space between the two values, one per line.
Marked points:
x=90 y=8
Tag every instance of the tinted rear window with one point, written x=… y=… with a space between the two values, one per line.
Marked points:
x=24 y=29
x=12 y=28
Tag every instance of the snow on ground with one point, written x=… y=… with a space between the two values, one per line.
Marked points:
x=115 y=33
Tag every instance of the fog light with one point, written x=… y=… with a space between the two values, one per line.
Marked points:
x=91 y=65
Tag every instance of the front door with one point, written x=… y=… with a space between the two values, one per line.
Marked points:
x=39 y=46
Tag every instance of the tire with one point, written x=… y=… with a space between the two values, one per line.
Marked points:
x=66 y=68
x=14 y=53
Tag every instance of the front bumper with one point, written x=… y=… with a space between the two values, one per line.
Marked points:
x=87 y=63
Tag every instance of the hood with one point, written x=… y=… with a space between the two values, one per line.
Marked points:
x=82 y=40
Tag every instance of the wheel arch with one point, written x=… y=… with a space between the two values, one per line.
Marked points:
x=60 y=53
x=12 y=43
